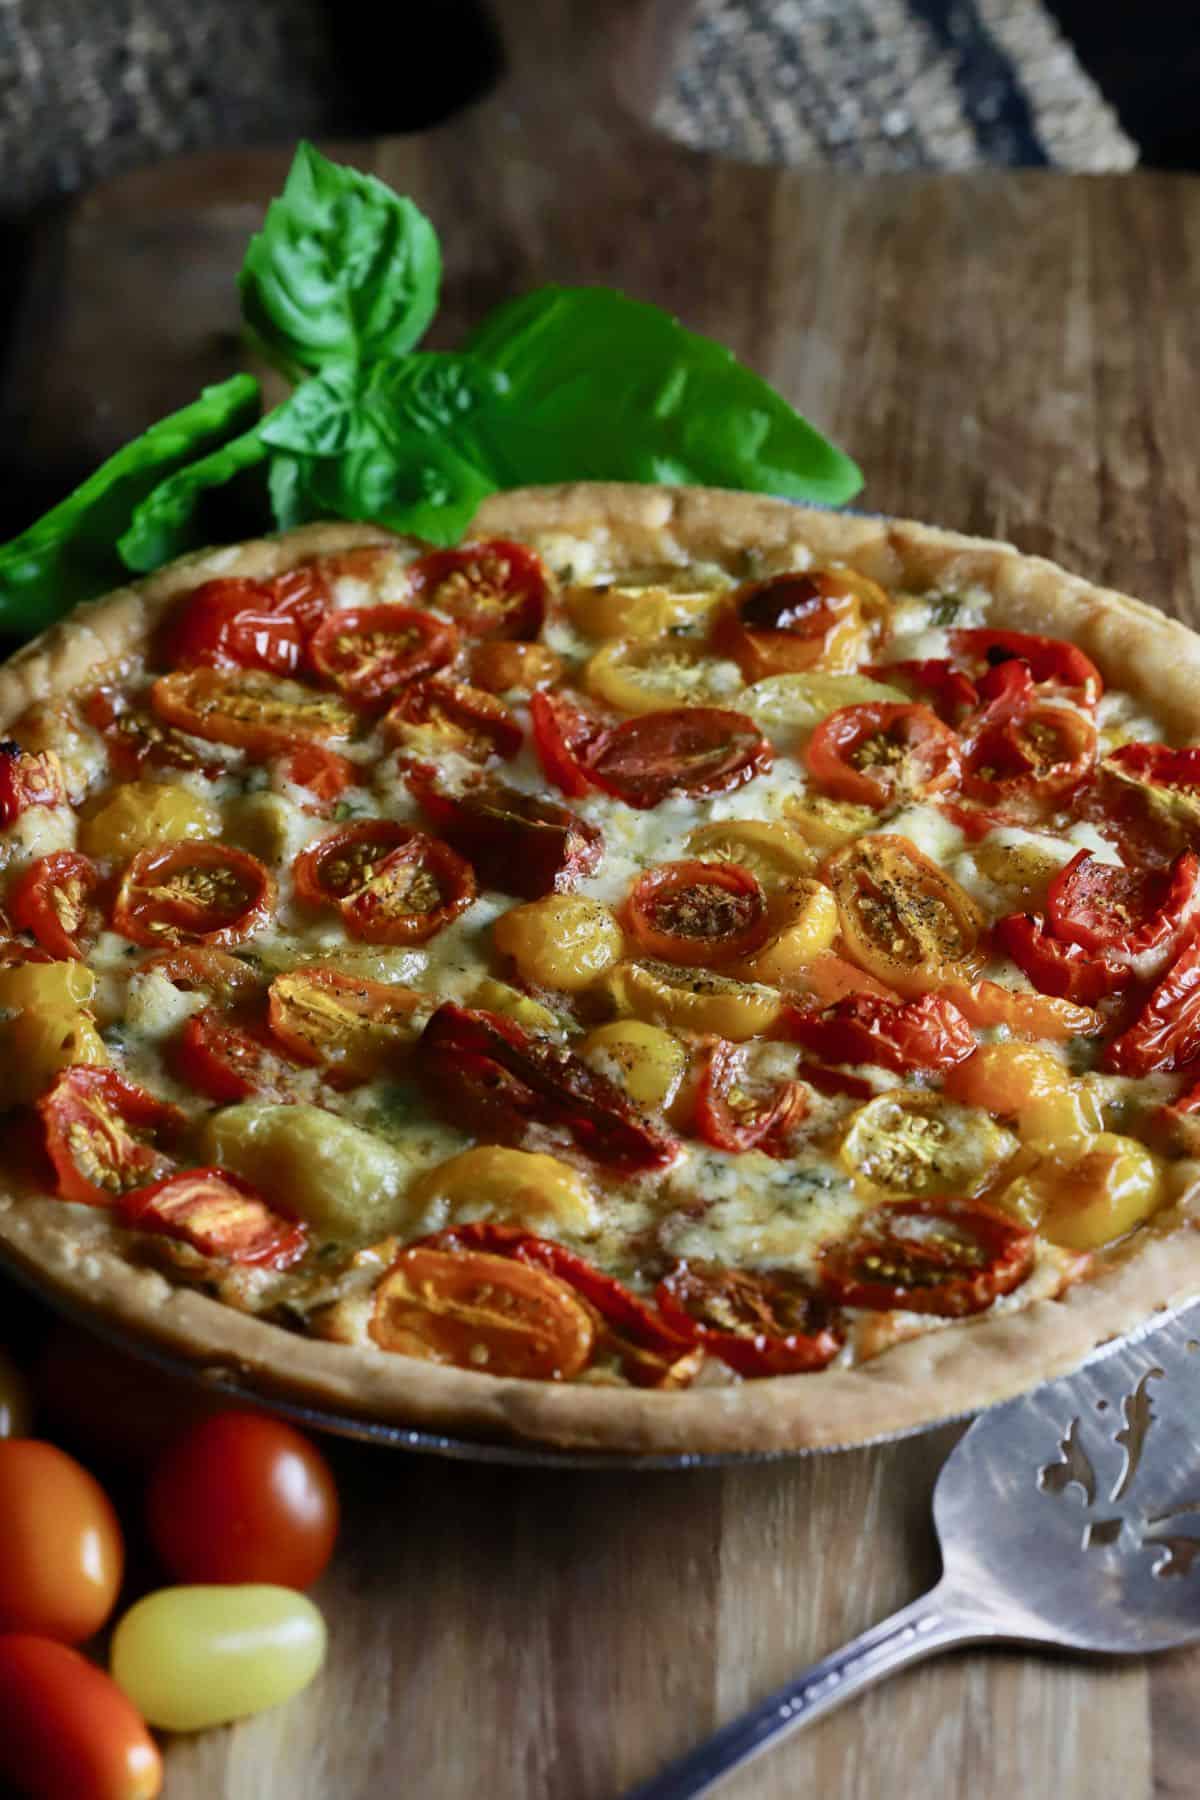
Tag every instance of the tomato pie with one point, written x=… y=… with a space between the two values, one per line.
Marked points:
x=678 y=972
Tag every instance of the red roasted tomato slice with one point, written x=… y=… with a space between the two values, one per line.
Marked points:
x=697 y=913
x=934 y=681
x=250 y=710
x=1025 y=752
x=51 y=899
x=28 y=778
x=1065 y=970
x=563 y=734
x=227 y=1060
x=370 y=652
x=438 y=715
x=732 y=1115
x=947 y=1257
x=759 y=1322
x=193 y=893
x=491 y=1076
x=323 y=772
x=903 y=1035
x=1137 y=916
x=491 y=589
x=217 y=1213
x=684 y=750
x=882 y=752
x=197 y=970
x=101 y=1134
x=138 y=741
x=1052 y=662
x=232 y=624
x=1166 y=1032
x=391 y=883
x=515 y=842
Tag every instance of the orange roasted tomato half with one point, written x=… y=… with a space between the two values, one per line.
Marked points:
x=806 y=619
x=369 y=653
x=437 y=715
x=351 y=1027
x=193 y=893
x=103 y=1134
x=697 y=913
x=882 y=752
x=489 y=1313
x=491 y=589
x=250 y=710
x=947 y=1257
x=391 y=883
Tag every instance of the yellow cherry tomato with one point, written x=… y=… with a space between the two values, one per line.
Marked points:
x=804 y=919
x=1024 y=871
x=1028 y=1084
x=828 y=824
x=692 y=1000
x=16 y=1408
x=774 y=854
x=47 y=987
x=140 y=815
x=903 y=919
x=643 y=675
x=1087 y=1192
x=191 y=1657
x=47 y=1026
x=563 y=941
x=511 y=1003
x=493 y=1182
x=648 y=1062
x=794 y=705
x=644 y=605
x=909 y=1145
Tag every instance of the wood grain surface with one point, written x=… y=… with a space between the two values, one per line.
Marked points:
x=1007 y=354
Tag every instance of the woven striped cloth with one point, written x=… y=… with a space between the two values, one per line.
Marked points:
x=88 y=89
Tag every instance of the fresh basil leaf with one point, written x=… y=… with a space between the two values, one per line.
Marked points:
x=412 y=483
x=607 y=388
x=169 y=520
x=343 y=268
x=71 y=553
x=322 y=417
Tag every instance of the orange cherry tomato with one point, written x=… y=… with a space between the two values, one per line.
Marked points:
x=437 y=715
x=193 y=893
x=882 y=752
x=28 y=778
x=51 y=900
x=391 y=883
x=697 y=913
x=493 y=589
x=369 y=652
x=482 y=1312
x=67 y=1732
x=243 y=1498
x=138 y=741
x=946 y=1257
x=984 y=1004
x=61 y=1551
x=759 y=1322
x=805 y=619
x=352 y=1027
x=250 y=710
x=218 y=1214
x=101 y=1134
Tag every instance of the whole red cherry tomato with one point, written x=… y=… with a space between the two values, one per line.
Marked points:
x=61 y=1553
x=66 y=1729
x=243 y=1498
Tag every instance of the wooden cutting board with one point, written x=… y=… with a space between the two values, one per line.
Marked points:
x=1010 y=354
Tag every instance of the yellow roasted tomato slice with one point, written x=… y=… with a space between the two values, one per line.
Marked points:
x=906 y=1145
x=1087 y=1192
x=903 y=919
x=252 y=711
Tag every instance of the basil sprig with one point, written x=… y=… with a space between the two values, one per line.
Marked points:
x=337 y=290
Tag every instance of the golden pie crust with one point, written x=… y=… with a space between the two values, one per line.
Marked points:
x=73 y=1252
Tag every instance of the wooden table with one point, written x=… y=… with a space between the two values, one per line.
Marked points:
x=1005 y=353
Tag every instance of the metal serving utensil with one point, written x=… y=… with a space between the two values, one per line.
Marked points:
x=1062 y=1520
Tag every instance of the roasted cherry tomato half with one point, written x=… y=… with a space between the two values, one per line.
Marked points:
x=491 y=589
x=227 y=1061
x=814 y=618
x=323 y=772
x=516 y=842
x=882 y=753
x=490 y=1075
x=391 y=883
x=926 y=1033
x=499 y=665
x=370 y=652
x=491 y=1314
x=1166 y=1032
x=243 y=1498
x=946 y=1257
x=934 y=681
x=196 y=970
x=438 y=715
x=28 y=778
x=759 y=1322
x=51 y=899
x=650 y=1353
x=697 y=913
x=732 y=1114
x=102 y=1134
x=61 y=1552
x=1052 y=662
x=193 y=893
x=1065 y=970
x=252 y=711
x=1136 y=916
x=218 y=1214
x=984 y=1004
x=1025 y=752
x=903 y=919
x=685 y=750
x=138 y=741
x=563 y=734
x=351 y=1027
x=67 y=1729
x=232 y=624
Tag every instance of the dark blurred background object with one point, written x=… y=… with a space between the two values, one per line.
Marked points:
x=88 y=91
